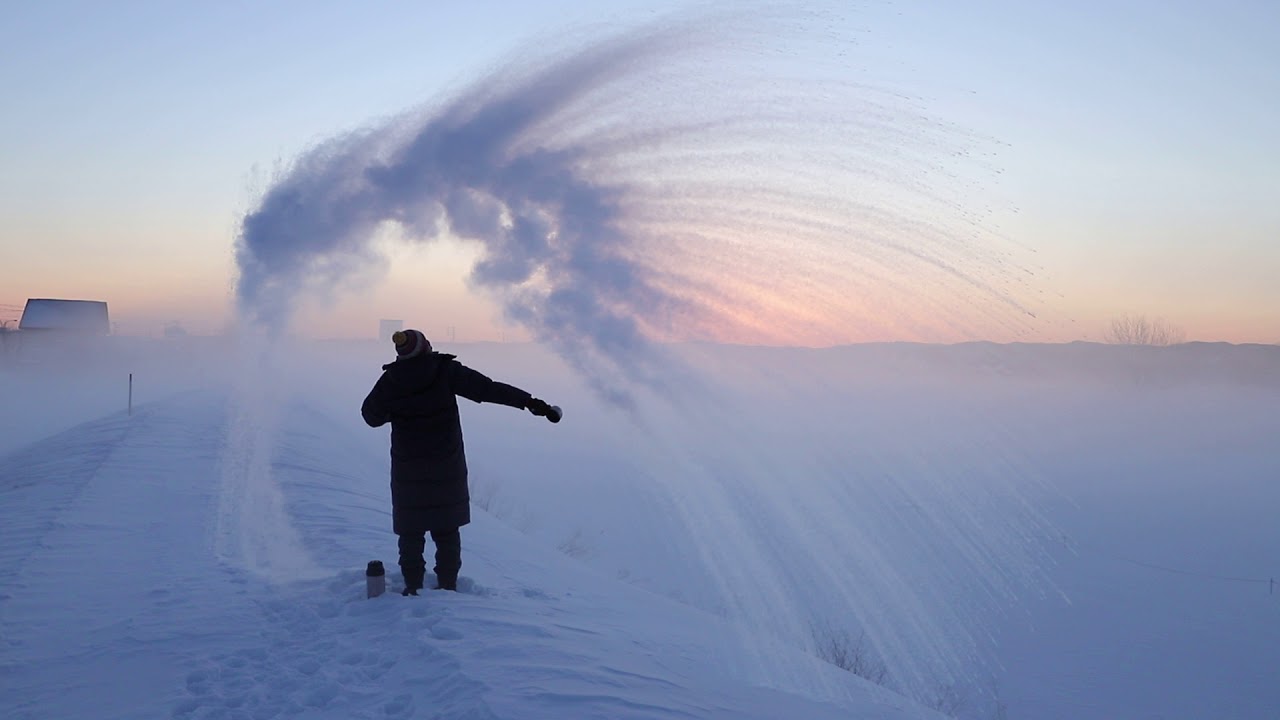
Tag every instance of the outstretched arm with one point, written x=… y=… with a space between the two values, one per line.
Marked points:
x=478 y=387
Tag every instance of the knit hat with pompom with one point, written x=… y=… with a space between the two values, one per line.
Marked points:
x=410 y=343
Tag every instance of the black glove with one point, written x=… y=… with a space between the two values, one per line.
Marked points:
x=538 y=407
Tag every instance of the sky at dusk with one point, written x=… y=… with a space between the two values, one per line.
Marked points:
x=1136 y=166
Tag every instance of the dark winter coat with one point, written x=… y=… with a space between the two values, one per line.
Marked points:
x=419 y=397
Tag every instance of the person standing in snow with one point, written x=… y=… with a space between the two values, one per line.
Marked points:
x=418 y=394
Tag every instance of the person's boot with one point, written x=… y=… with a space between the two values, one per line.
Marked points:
x=412 y=582
x=446 y=584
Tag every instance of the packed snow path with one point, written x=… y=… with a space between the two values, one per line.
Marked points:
x=135 y=586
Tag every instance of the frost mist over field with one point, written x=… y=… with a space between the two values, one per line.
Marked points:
x=1062 y=531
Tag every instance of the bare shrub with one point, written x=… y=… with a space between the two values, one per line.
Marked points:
x=484 y=495
x=999 y=710
x=946 y=698
x=575 y=545
x=1140 y=330
x=853 y=654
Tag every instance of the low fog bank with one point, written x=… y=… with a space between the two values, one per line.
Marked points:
x=52 y=382
x=1189 y=362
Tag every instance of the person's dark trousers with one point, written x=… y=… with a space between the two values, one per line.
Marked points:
x=448 y=557
x=412 y=566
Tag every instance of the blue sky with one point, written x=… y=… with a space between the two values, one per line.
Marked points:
x=1140 y=148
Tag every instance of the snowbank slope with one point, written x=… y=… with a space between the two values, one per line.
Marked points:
x=136 y=583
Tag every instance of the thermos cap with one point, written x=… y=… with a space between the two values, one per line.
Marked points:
x=375 y=569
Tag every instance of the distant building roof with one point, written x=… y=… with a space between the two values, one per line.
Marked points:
x=84 y=316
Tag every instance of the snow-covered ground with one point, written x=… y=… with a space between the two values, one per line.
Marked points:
x=1070 y=531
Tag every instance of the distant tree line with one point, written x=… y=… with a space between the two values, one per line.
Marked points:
x=1141 y=330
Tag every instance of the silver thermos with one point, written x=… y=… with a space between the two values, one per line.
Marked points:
x=375 y=578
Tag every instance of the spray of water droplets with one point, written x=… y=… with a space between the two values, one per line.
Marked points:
x=696 y=178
